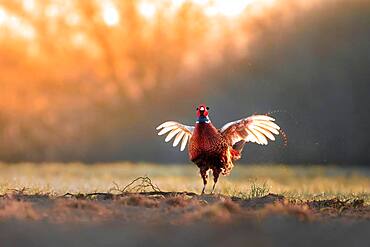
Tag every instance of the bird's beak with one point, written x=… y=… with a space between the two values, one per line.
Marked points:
x=201 y=110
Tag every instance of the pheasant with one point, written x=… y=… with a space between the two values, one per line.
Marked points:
x=216 y=149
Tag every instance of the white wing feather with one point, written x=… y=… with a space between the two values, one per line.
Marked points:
x=256 y=128
x=184 y=141
x=182 y=132
x=178 y=138
x=172 y=134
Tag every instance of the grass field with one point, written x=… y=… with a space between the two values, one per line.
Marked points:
x=296 y=182
x=120 y=204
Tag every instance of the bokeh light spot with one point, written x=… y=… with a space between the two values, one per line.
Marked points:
x=147 y=9
x=110 y=14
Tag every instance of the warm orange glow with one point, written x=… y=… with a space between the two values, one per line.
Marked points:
x=63 y=62
x=109 y=11
x=16 y=25
x=227 y=8
x=52 y=10
x=2 y=16
x=211 y=8
x=147 y=9
x=29 y=5
x=110 y=14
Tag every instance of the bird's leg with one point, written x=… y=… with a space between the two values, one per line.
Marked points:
x=203 y=173
x=216 y=174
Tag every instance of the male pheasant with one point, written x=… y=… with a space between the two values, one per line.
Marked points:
x=216 y=149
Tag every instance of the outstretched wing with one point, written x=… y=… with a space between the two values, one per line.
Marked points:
x=256 y=128
x=182 y=133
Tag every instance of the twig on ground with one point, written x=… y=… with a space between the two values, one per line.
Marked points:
x=146 y=182
x=141 y=188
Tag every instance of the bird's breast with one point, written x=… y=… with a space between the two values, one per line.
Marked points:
x=205 y=141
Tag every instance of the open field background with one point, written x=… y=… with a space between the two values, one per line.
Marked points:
x=75 y=204
x=297 y=182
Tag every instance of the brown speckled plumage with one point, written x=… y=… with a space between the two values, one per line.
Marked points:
x=209 y=150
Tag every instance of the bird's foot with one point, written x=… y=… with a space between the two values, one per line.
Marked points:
x=213 y=189
x=204 y=188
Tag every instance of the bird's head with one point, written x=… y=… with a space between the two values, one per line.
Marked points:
x=202 y=110
x=202 y=113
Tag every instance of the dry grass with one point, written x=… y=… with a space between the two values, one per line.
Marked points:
x=294 y=182
x=54 y=204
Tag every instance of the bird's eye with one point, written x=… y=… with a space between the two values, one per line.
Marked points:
x=207 y=108
x=197 y=108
